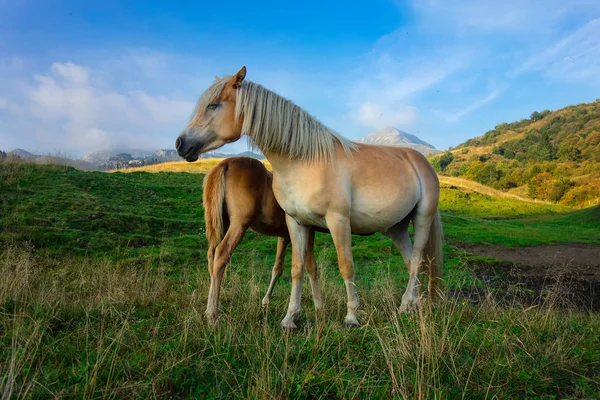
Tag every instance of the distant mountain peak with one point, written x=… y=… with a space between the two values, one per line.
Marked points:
x=390 y=136
x=23 y=153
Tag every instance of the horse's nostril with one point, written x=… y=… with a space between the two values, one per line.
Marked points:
x=177 y=143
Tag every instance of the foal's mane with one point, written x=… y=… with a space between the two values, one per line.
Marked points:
x=275 y=124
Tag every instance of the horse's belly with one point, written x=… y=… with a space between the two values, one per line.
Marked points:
x=302 y=212
x=378 y=213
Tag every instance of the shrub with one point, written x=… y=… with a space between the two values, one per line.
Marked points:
x=540 y=186
x=560 y=188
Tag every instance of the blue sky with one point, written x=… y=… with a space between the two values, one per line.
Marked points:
x=80 y=76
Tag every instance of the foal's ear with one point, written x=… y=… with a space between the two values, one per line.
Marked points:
x=237 y=79
x=217 y=78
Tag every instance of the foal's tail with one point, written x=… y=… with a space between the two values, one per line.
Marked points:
x=213 y=199
x=433 y=254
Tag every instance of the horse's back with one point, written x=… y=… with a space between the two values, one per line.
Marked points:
x=394 y=163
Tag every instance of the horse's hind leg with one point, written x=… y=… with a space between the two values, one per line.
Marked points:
x=399 y=235
x=311 y=268
x=223 y=252
x=282 y=244
x=422 y=224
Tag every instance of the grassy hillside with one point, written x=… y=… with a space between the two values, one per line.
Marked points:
x=203 y=165
x=104 y=285
x=553 y=155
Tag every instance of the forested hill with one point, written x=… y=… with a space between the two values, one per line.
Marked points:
x=552 y=155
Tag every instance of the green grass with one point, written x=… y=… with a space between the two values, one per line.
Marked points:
x=478 y=219
x=104 y=286
x=455 y=200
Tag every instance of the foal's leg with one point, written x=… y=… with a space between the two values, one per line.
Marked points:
x=339 y=226
x=311 y=268
x=422 y=224
x=282 y=244
x=299 y=236
x=223 y=252
x=210 y=255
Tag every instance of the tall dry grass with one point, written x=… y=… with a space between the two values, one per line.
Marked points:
x=105 y=329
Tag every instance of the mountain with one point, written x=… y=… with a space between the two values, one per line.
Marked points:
x=101 y=157
x=117 y=158
x=121 y=158
x=552 y=156
x=250 y=154
x=24 y=154
x=391 y=136
x=57 y=159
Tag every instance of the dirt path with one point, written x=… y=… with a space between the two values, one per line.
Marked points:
x=576 y=267
x=542 y=261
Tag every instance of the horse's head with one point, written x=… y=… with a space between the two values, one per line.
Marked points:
x=214 y=122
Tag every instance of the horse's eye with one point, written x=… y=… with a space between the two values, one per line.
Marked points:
x=212 y=106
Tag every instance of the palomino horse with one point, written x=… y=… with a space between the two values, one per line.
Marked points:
x=321 y=179
x=238 y=196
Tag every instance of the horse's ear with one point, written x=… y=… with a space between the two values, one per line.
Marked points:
x=217 y=78
x=237 y=79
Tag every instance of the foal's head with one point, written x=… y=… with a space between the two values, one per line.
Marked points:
x=214 y=121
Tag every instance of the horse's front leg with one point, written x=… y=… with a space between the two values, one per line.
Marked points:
x=339 y=226
x=299 y=238
x=313 y=275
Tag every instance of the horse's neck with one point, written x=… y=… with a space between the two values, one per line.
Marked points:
x=281 y=163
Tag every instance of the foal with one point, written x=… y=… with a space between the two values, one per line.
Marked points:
x=238 y=196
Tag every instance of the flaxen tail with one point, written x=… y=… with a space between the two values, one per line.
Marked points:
x=213 y=199
x=434 y=255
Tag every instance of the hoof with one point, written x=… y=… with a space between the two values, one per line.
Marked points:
x=266 y=301
x=351 y=323
x=212 y=317
x=319 y=307
x=407 y=308
x=288 y=324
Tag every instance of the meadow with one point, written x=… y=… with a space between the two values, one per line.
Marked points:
x=104 y=286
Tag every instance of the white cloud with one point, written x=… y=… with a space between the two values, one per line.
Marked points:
x=458 y=115
x=376 y=116
x=392 y=80
x=12 y=108
x=515 y=17
x=140 y=100
x=72 y=107
x=573 y=58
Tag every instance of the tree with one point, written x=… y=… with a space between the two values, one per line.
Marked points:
x=484 y=173
x=535 y=116
x=540 y=186
x=560 y=188
x=441 y=162
x=568 y=152
x=446 y=159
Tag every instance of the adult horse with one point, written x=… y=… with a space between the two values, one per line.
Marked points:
x=322 y=179
x=238 y=196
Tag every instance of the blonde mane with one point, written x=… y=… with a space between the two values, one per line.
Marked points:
x=275 y=124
